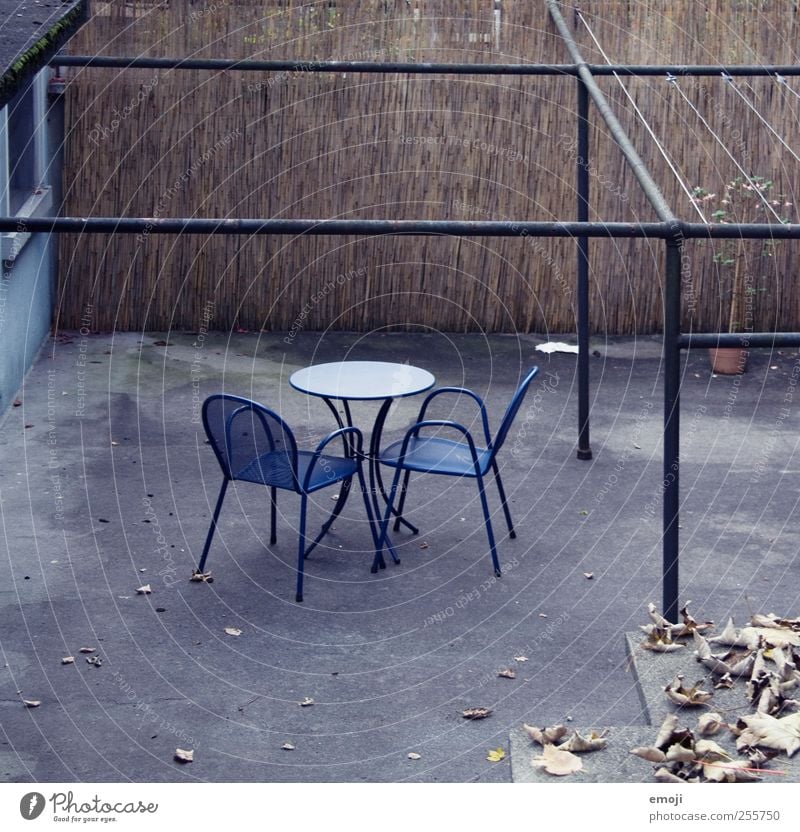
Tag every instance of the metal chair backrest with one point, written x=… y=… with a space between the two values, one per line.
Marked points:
x=242 y=431
x=511 y=411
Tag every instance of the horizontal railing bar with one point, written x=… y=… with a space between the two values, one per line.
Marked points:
x=453 y=228
x=739 y=339
x=299 y=66
x=413 y=68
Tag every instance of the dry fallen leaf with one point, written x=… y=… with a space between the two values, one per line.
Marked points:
x=476 y=713
x=666 y=731
x=578 y=744
x=68 y=660
x=306 y=702
x=659 y=640
x=729 y=635
x=720 y=664
x=709 y=724
x=508 y=673
x=233 y=631
x=412 y=755
x=495 y=755
x=31 y=703
x=183 y=755
x=287 y=746
x=763 y=729
x=686 y=697
x=678 y=753
x=144 y=590
x=768 y=621
x=556 y=762
x=666 y=776
x=725 y=681
x=759 y=757
x=654 y=755
x=734 y=771
x=689 y=625
x=545 y=736
x=657 y=618
x=708 y=751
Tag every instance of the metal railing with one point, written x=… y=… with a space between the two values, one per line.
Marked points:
x=669 y=228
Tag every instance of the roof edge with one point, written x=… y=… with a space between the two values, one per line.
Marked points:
x=29 y=62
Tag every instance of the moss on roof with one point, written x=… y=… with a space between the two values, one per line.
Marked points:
x=31 y=35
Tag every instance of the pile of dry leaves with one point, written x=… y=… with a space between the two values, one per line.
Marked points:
x=763 y=658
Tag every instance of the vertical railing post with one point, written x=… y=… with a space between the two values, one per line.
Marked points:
x=672 y=383
x=582 y=188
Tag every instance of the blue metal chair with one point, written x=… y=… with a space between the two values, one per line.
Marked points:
x=460 y=457
x=253 y=444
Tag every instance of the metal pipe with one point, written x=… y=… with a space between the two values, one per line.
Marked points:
x=300 y=66
x=672 y=429
x=408 y=68
x=371 y=228
x=744 y=230
x=582 y=179
x=651 y=190
x=739 y=339
x=453 y=228
x=456 y=228
x=699 y=69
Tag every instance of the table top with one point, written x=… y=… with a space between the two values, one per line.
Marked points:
x=362 y=380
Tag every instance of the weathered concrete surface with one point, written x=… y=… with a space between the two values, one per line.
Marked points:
x=390 y=659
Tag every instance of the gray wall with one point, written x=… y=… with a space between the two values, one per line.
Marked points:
x=27 y=286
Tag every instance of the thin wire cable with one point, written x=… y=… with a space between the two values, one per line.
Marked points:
x=785 y=84
x=753 y=185
x=647 y=127
x=761 y=118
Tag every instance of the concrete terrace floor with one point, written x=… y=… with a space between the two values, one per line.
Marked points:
x=107 y=484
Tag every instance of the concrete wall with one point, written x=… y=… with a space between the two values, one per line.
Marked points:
x=27 y=284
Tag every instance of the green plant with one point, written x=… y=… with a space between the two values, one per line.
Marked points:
x=744 y=200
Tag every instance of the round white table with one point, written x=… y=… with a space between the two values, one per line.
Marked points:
x=362 y=380
x=347 y=381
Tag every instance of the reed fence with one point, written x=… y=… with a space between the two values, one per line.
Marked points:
x=311 y=145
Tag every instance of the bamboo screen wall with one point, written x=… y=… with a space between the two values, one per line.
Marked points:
x=309 y=145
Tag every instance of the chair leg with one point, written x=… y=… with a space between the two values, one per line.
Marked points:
x=402 y=502
x=373 y=521
x=301 y=548
x=489 y=530
x=344 y=491
x=213 y=526
x=384 y=530
x=511 y=533
x=273 y=500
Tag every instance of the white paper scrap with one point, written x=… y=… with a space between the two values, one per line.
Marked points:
x=557 y=346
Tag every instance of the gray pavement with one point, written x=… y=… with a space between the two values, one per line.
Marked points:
x=107 y=484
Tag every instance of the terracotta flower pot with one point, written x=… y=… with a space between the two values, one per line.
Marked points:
x=729 y=361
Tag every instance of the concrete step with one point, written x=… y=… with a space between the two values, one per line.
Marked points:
x=652 y=673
